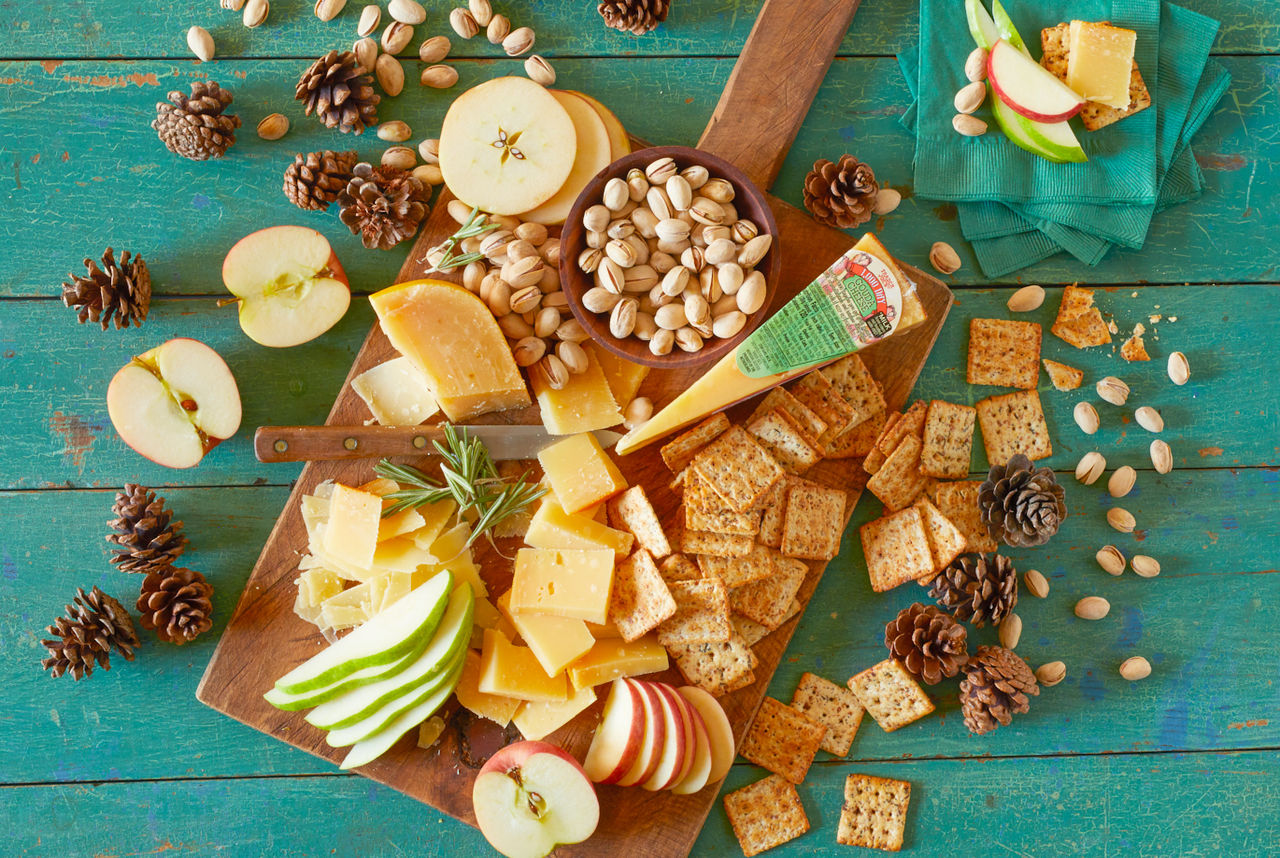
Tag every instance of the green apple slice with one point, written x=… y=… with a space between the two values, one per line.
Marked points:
x=384 y=639
x=358 y=704
x=1051 y=141
x=306 y=699
x=981 y=27
x=1004 y=26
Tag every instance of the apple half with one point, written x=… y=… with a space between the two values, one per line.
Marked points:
x=1028 y=87
x=531 y=797
x=175 y=403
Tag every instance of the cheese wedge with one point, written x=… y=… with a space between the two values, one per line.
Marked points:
x=513 y=671
x=1100 y=62
x=563 y=583
x=612 y=658
x=552 y=527
x=536 y=720
x=556 y=641
x=584 y=404
x=396 y=392
x=351 y=531
x=623 y=376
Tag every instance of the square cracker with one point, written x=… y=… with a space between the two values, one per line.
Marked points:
x=765 y=814
x=890 y=695
x=678 y=567
x=821 y=397
x=785 y=440
x=946 y=542
x=857 y=440
x=1062 y=376
x=874 y=813
x=679 y=452
x=896 y=549
x=701 y=615
x=958 y=502
x=768 y=601
x=716 y=668
x=704 y=510
x=834 y=706
x=1014 y=423
x=898 y=481
x=632 y=512
x=910 y=422
x=774 y=512
x=948 y=440
x=716 y=544
x=737 y=468
x=1004 y=353
x=752 y=632
x=739 y=571
x=1055 y=56
x=780 y=397
x=782 y=740
x=1078 y=322
x=639 y=599
x=852 y=380
x=814 y=522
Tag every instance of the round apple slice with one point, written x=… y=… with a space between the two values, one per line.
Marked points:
x=506 y=146
x=719 y=730
x=655 y=735
x=594 y=154
x=673 y=749
x=617 y=740
x=619 y=140
x=689 y=718
x=700 y=770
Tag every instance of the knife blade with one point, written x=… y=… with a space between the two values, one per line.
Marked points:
x=322 y=443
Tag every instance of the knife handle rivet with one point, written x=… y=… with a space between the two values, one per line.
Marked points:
x=350 y=443
x=419 y=442
x=280 y=446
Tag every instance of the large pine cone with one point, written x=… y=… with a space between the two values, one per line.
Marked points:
x=978 y=588
x=929 y=643
x=314 y=180
x=994 y=689
x=634 y=16
x=194 y=126
x=120 y=289
x=842 y=194
x=1022 y=505
x=177 y=603
x=339 y=92
x=149 y=540
x=93 y=625
x=383 y=205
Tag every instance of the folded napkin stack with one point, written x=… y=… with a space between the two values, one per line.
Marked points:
x=1017 y=208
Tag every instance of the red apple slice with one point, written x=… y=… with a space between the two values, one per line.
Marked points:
x=719 y=730
x=655 y=735
x=689 y=716
x=1029 y=88
x=618 y=738
x=700 y=770
x=673 y=749
x=531 y=797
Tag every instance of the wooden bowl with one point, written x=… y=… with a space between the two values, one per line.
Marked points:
x=748 y=200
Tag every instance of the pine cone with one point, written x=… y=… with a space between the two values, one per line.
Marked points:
x=634 y=16
x=994 y=689
x=314 y=180
x=92 y=626
x=148 y=541
x=176 y=602
x=978 y=588
x=194 y=126
x=1022 y=505
x=841 y=194
x=336 y=88
x=383 y=205
x=122 y=289
x=929 y=643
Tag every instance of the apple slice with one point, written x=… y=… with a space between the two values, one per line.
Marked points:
x=175 y=403
x=593 y=156
x=531 y=797
x=1052 y=141
x=618 y=738
x=690 y=718
x=619 y=139
x=673 y=748
x=719 y=730
x=655 y=735
x=700 y=770
x=506 y=146
x=1004 y=26
x=981 y=27
x=1029 y=88
x=290 y=286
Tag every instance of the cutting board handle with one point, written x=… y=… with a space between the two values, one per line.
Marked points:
x=777 y=75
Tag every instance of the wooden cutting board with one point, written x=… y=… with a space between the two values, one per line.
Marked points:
x=781 y=66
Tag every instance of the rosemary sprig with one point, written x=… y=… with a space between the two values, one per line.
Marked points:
x=475 y=225
x=471 y=480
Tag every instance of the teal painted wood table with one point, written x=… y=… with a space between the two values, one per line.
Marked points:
x=1186 y=762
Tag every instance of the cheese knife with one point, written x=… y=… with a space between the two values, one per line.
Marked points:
x=316 y=443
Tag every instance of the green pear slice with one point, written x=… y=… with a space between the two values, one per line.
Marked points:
x=356 y=705
x=370 y=748
x=306 y=699
x=384 y=639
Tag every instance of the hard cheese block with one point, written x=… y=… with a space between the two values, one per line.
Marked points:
x=396 y=392
x=556 y=642
x=513 y=671
x=495 y=707
x=584 y=404
x=536 y=720
x=552 y=527
x=581 y=474
x=351 y=532
x=563 y=583
x=614 y=657
x=450 y=335
x=1100 y=62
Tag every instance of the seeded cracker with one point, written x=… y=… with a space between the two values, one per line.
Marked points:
x=812 y=425
x=958 y=502
x=768 y=601
x=1054 y=56
x=752 y=632
x=1079 y=323
x=632 y=512
x=782 y=740
x=948 y=440
x=852 y=380
x=680 y=452
x=716 y=544
x=874 y=812
x=857 y=440
x=717 y=668
x=814 y=522
x=896 y=548
x=823 y=399
x=910 y=423
x=946 y=542
x=1004 y=353
x=739 y=571
x=834 y=706
x=639 y=599
x=898 y=481
x=1063 y=377
x=774 y=514
x=890 y=695
x=705 y=511
x=1014 y=423
x=738 y=469
x=786 y=441
x=678 y=567
x=766 y=814
x=702 y=613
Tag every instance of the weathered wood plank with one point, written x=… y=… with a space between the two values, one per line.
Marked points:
x=101 y=156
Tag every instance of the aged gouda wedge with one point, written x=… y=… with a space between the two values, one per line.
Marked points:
x=536 y=720
x=495 y=707
x=513 y=671
x=450 y=335
x=564 y=583
x=581 y=474
x=556 y=641
x=351 y=529
x=552 y=527
x=612 y=658
x=584 y=404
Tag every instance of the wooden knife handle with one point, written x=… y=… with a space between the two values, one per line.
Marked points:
x=314 y=443
x=777 y=75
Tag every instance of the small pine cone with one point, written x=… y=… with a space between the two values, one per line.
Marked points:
x=842 y=194
x=634 y=16
x=383 y=205
x=147 y=537
x=314 y=180
x=1022 y=505
x=928 y=642
x=994 y=689
x=177 y=603
x=194 y=126
x=92 y=626
x=977 y=588
x=336 y=88
x=120 y=289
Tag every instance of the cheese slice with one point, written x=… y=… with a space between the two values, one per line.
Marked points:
x=623 y=376
x=513 y=671
x=563 y=583
x=580 y=473
x=450 y=335
x=396 y=392
x=351 y=530
x=584 y=404
x=401 y=555
x=435 y=518
x=495 y=707
x=398 y=524
x=1100 y=62
x=536 y=720
x=613 y=658
x=552 y=527
x=398 y=585
x=556 y=641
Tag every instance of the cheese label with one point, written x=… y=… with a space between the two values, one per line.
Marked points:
x=854 y=303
